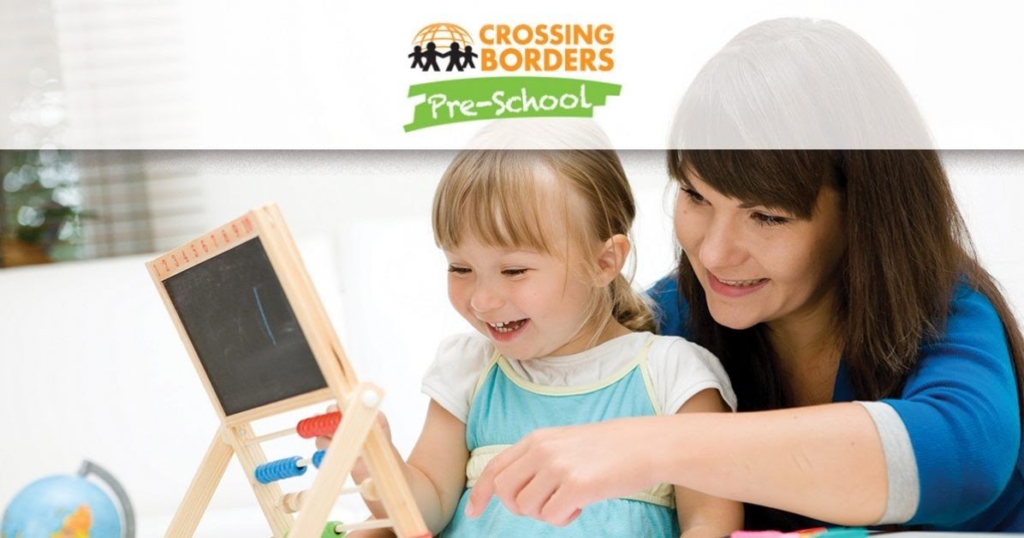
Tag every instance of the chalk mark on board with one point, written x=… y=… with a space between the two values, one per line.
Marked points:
x=266 y=325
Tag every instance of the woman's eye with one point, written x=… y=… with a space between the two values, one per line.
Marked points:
x=513 y=272
x=458 y=270
x=769 y=220
x=693 y=195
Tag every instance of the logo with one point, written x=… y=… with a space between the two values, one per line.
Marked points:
x=456 y=42
x=525 y=59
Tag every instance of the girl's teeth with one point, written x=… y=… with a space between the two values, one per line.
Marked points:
x=507 y=326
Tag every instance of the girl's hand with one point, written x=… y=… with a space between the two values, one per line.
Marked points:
x=551 y=474
x=359 y=470
x=324 y=441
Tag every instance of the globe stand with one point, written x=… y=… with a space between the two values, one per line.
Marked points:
x=127 y=512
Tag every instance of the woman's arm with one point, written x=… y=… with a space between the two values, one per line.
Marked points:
x=959 y=408
x=825 y=462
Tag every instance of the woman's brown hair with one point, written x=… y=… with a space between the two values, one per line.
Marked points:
x=907 y=250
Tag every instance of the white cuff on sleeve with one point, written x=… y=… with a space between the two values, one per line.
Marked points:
x=900 y=464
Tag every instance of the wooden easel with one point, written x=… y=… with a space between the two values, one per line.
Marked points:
x=358 y=433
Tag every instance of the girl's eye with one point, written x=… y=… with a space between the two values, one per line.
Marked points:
x=693 y=195
x=513 y=272
x=458 y=270
x=769 y=220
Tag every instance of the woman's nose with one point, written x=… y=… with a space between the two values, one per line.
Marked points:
x=722 y=246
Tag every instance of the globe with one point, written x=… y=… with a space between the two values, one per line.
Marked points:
x=442 y=34
x=64 y=506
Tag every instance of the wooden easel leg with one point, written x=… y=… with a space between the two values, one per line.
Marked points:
x=392 y=487
x=203 y=485
x=250 y=456
x=360 y=415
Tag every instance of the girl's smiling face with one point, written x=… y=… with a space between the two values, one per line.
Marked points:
x=528 y=303
x=758 y=264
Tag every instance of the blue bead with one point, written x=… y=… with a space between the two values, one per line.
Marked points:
x=319 y=457
x=279 y=470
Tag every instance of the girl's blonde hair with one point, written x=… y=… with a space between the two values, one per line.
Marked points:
x=501 y=198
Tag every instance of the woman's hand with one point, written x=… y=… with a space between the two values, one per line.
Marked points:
x=824 y=462
x=551 y=474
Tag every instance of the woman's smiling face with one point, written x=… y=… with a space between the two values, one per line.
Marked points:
x=759 y=264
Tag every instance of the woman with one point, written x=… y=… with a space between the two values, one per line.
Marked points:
x=877 y=365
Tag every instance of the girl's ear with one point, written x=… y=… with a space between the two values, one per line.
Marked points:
x=611 y=259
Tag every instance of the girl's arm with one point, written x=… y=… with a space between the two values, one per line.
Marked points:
x=436 y=469
x=825 y=462
x=701 y=515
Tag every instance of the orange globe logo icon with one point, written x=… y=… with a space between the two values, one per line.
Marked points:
x=443 y=34
x=440 y=41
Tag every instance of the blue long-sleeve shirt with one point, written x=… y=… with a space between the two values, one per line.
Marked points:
x=960 y=410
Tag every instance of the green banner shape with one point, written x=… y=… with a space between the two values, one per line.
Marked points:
x=488 y=98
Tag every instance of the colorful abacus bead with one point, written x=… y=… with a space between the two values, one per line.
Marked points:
x=331 y=530
x=279 y=470
x=318 y=458
x=319 y=425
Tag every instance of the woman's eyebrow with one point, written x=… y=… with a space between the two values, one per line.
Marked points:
x=749 y=204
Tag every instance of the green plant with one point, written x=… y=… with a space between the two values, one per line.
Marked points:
x=42 y=202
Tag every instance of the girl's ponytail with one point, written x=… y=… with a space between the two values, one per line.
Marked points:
x=629 y=307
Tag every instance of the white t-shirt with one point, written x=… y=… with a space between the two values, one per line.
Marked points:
x=679 y=369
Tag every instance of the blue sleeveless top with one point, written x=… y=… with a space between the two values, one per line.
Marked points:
x=506 y=407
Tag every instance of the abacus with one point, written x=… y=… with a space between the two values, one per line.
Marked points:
x=260 y=340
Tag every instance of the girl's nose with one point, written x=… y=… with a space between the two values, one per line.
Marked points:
x=485 y=299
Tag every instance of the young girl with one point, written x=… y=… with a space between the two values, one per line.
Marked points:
x=535 y=243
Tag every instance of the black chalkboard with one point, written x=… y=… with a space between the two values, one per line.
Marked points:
x=244 y=330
